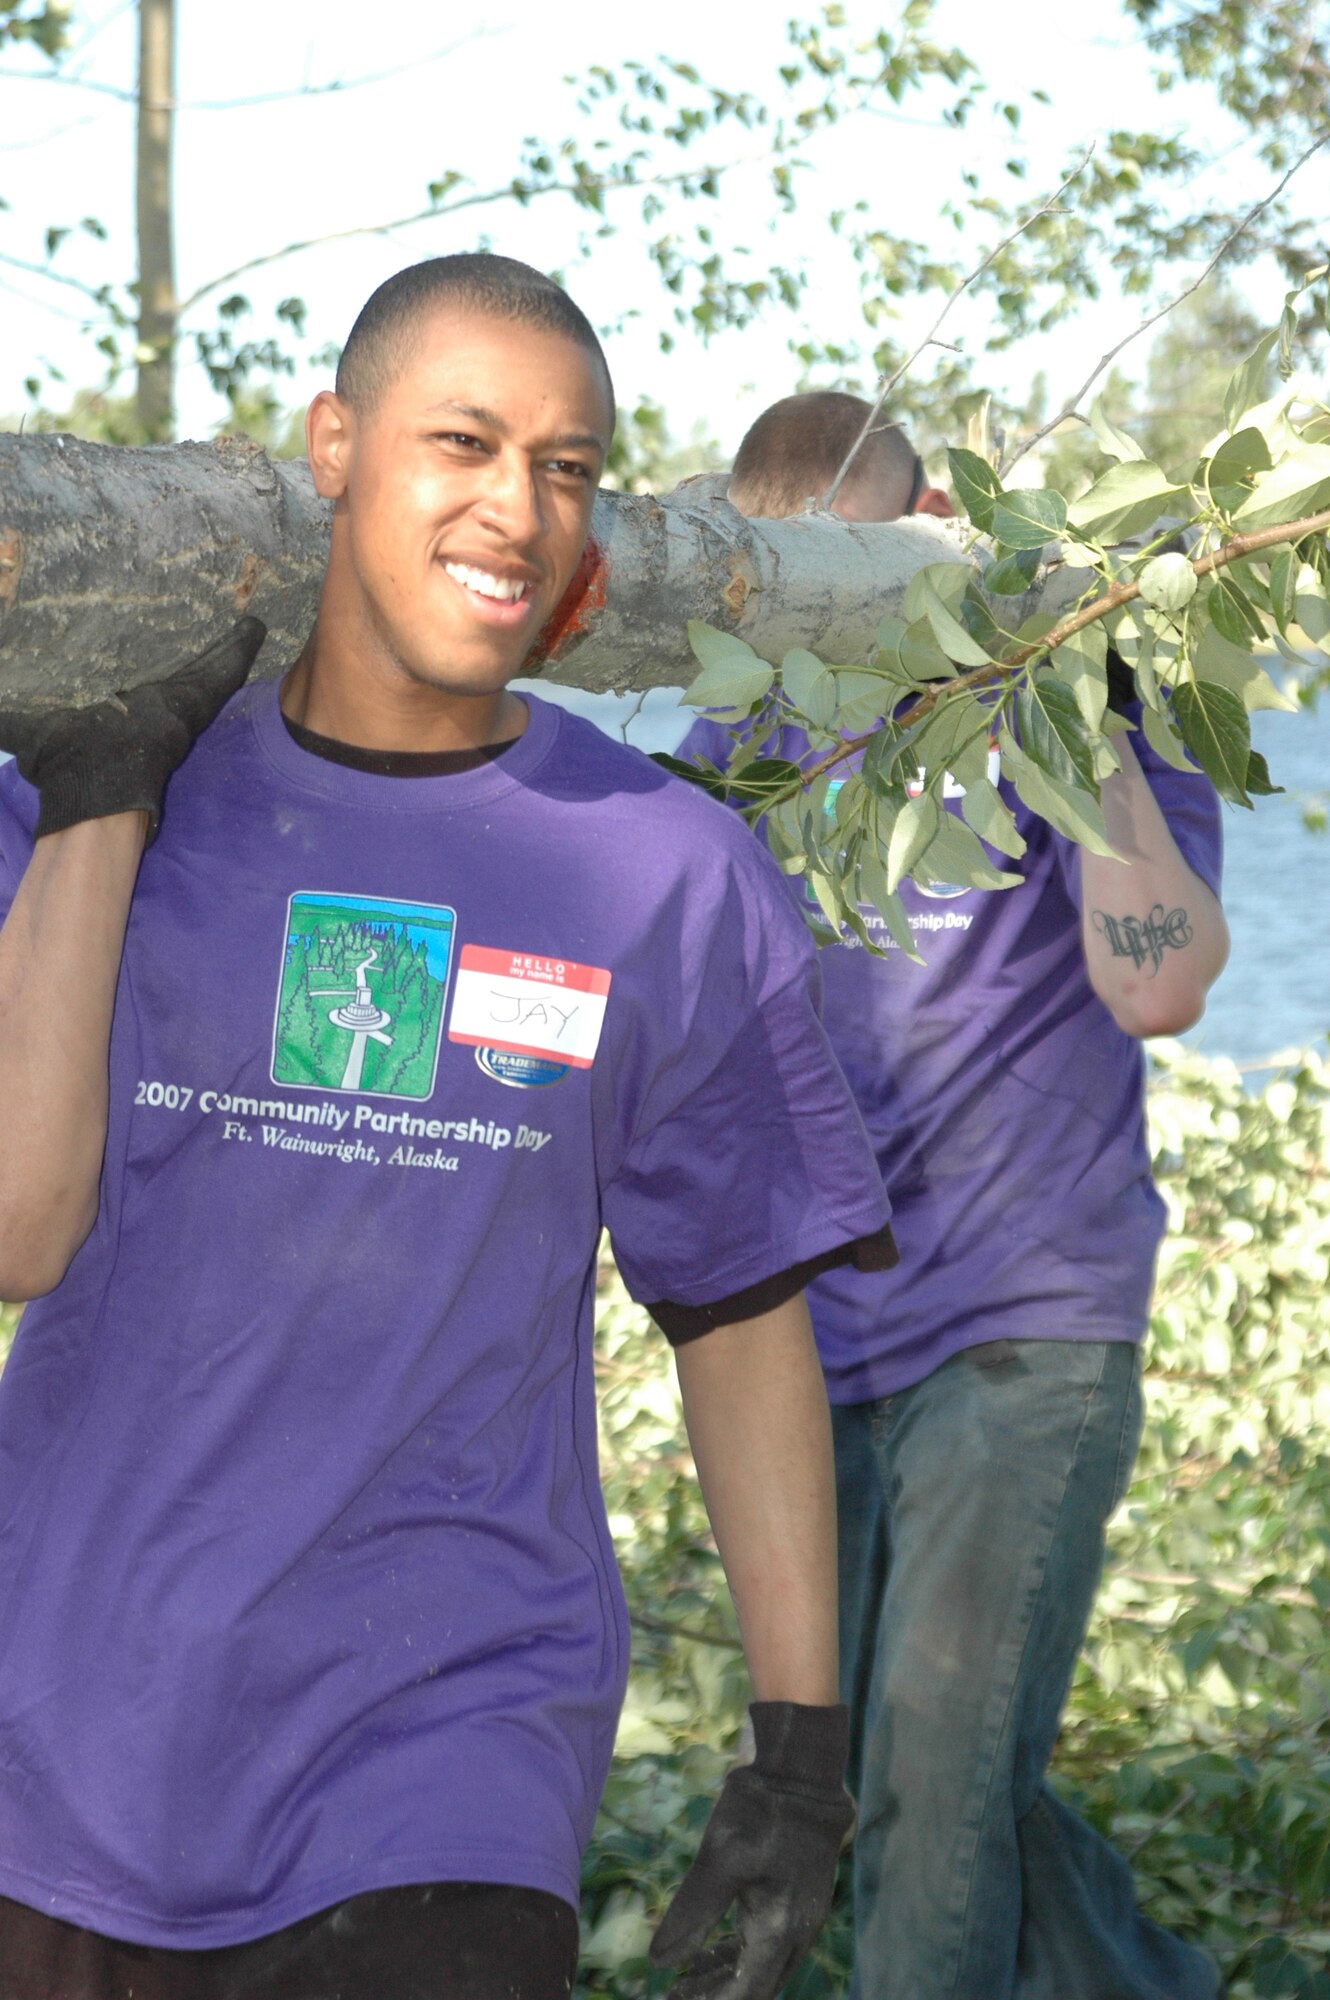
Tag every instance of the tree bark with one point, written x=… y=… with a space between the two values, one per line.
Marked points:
x=154 y=398
x=116 y=563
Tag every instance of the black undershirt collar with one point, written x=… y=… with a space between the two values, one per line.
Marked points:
x=394 y=763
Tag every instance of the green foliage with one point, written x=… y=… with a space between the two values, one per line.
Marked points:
x=644 y=150
x=1198 y=1730
x=8 y=1324
x=645 y=458
x=44 y=23
x=966 y=665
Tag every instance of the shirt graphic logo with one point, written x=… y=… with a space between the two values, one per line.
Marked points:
x=363 y=988
x=528 y=1004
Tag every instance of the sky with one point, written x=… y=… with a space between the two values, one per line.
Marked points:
x=276 y=167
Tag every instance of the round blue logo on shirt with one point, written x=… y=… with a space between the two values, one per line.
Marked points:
x=521 y=1071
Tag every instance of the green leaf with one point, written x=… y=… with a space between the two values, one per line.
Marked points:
x=765 y=777
x=1128 y=499
x=1246 y=386
x=984 y=808
x=1164 y=740
x=709 y=779
x=946 y=580
x=1232 y=612
x=1238 y=457
x=954 y=854
x=1052 y=730
x=1013 y=575
x=920 y=655
x=1073 y=813
x=1218 y=659
x=950 y=634
x=862 y=698
x=956 y=720
x=873 y=889
x=916 y=823
x=976 y=484
x=732 y=675
x=1029 y=518
x=1311 y=612
x=1080 y=663
x=1215 y=729
x=1259 y=780
x=888 y=659
x=1283 y=586
x=809 y=686
x=1299 y=484
x=1113 y=442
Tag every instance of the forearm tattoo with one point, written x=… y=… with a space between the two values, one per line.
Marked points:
x=1142 y=938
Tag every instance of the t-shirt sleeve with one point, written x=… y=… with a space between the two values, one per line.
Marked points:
x=1189 y=804
x=746 y=1154
x=18 y=817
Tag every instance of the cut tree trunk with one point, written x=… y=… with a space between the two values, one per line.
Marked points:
x=116 y=563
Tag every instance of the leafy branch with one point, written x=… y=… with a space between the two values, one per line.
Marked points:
x=1071 y=408
x=960 y=702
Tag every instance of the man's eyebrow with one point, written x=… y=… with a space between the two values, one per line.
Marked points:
x=571 y=440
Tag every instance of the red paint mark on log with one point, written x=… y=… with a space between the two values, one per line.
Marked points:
x=743 y=582
x=247 y=582
x=11 y=566
x=580 y=605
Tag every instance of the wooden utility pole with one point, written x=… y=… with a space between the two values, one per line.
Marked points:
x=154 y=402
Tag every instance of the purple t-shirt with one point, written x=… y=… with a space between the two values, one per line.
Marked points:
x=305 y=1581
x=1005 y=1105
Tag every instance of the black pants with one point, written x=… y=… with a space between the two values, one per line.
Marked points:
x=441 y=1941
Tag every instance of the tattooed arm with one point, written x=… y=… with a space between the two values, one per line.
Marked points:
x=1153 y=933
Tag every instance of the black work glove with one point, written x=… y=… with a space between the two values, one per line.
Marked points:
x=771 y=1845
x=115 y=756
x=1122 y=693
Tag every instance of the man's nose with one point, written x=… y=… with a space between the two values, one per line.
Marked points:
x=511 y=499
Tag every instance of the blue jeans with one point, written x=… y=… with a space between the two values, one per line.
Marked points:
x=972 y=1513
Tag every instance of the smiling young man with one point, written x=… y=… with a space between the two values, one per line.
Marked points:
x=311 y=1641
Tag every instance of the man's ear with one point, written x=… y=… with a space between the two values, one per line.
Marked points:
x=934 y=501
x=328 y=438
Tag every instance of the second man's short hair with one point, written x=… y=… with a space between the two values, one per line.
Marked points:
x=795 y=449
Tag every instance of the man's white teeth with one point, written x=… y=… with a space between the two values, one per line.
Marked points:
x=506 y=588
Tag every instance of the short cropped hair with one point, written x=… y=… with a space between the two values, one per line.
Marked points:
x=380 y=343
x=795 y=449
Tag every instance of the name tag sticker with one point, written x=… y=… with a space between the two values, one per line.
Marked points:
x=532 y=1005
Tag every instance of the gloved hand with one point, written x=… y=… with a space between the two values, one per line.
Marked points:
x=771 y=1845
x=116 y=756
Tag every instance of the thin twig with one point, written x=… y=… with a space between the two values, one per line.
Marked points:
x=927 y=340
x=1072 y=409
x=1186 y=1797
x=1112 y=600
x=337 y=87
x=610 y=184
x=96 y=293
x=667 y=1626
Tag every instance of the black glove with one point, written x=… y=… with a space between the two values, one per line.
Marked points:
x=116 y=756
x=1122 y=693
x=771 y=1843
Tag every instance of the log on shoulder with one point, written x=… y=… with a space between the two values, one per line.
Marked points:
x=117 y=562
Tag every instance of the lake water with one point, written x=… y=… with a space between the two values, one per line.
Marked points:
x=1274 y=994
